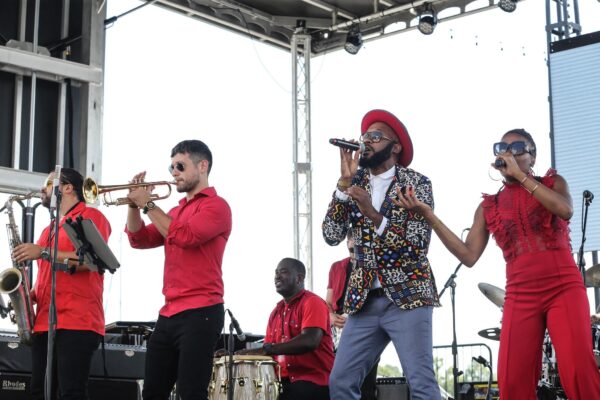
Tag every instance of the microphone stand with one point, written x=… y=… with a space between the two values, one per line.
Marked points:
x=580 y=261
x=450 y=283
x=486 y=364
x=230 y=348
x=54 y=217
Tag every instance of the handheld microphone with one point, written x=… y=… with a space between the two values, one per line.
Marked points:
x=587 y=195
x=344 y=144
x=238 y=331
x=499 y=163
x=55 y=184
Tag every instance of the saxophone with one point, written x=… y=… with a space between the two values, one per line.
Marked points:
x=15 y=281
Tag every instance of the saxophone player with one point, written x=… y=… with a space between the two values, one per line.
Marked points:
x=80 y=316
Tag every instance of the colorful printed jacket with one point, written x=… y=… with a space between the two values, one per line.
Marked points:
x=398 y=256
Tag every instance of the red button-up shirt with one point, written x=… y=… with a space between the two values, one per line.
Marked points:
x=78 y=296
x=337 y=281
x=194 y=249
x=305 y=310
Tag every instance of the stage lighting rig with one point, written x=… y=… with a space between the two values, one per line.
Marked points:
x=427 y=20
x=508 y=5
x=353 y=40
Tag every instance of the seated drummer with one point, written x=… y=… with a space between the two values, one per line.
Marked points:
x=298 y=336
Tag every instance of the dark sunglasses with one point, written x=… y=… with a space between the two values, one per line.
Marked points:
x=374 y=136
x=515 y=148
x=178 y=165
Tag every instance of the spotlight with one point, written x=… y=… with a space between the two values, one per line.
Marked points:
x=508 y=5
x=353 y=40
x=427 y=20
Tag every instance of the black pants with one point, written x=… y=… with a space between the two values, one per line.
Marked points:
x=73 y=351
x=303 y=390
x=181 y=350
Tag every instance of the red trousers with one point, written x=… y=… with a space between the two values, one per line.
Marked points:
x=545 y=291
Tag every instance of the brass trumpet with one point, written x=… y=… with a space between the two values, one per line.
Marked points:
x=91 y=191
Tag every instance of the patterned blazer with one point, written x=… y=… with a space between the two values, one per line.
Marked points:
x=398 y=257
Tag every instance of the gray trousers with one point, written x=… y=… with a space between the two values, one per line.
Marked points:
x=365 y=336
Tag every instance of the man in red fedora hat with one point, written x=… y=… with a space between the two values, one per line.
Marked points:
x=391 y=290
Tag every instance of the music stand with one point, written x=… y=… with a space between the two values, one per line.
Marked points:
x=90 y=245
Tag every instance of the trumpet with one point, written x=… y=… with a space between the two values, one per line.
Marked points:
x=91 y=191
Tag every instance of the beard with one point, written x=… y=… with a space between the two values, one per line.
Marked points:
x=187 y=186
x=377 y=158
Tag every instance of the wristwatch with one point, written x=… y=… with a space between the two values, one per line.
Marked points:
x=267 y=348
x=149 y=206
x=45 y=254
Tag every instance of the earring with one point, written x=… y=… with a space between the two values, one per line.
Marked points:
x=531 y=171
x=490 y=169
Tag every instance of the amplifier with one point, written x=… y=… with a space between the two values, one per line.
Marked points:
x=14 y=386
x=122 y=361
x=392 y=389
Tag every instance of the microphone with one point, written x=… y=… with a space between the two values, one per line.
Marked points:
x=587 y=195
x=240 y=334
x=481 y=361
x=499 y=163
x=344 y=144
x=55 y=184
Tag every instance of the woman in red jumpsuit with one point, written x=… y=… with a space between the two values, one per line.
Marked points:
x=528 y=218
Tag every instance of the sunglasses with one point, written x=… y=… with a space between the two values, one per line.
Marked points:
x=374 y=136
x=179 y=166
x=515 y=148
x=50 y=183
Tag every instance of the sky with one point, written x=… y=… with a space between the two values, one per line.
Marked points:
x=169 y=78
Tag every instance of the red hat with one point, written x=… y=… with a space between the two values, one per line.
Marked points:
x=406 y=155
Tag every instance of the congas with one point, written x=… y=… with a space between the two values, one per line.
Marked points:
x=254 y=378
x=596 y=342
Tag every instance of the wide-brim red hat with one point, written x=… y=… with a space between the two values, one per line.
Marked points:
x=406 y=155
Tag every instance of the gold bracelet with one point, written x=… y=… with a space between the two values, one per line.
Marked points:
x=535 y=187
x=532 y=190
x=434 y=225
x=523 y=180
x=344 y=182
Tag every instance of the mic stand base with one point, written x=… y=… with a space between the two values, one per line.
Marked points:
x=230 y=378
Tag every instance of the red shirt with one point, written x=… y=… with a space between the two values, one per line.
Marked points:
x=78 y=296
x=305 y=310
x=337 y=281
x=194 y=249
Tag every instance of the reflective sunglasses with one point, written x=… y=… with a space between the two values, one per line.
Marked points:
x=374 y=136
x=515 y=148
x=178 y=165
x=50 y=183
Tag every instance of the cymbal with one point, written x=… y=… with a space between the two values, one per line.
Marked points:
x=493 y=293
x=490 y=333
x=592 y=276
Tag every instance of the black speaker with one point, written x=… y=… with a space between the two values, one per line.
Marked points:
x=14 y=386
x=392 y=389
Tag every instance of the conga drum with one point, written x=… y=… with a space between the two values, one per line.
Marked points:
x=254 y=378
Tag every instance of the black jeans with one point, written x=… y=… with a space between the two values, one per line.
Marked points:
x=181 y=350
x=73 y=351
x=303 y=390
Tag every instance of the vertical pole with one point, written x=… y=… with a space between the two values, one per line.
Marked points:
x=302 y=173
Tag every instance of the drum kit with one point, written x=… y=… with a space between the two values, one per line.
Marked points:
x=549 y=386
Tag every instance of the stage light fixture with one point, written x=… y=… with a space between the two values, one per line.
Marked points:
x=353 y=40
x=508 y=5
x=427 y=20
